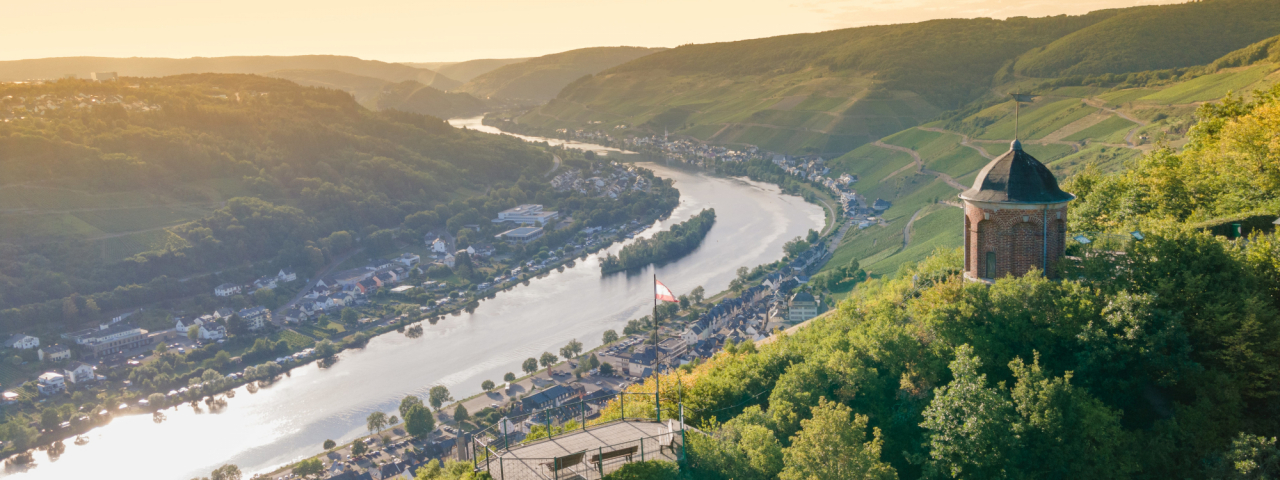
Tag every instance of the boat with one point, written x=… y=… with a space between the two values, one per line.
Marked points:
x=81 y=439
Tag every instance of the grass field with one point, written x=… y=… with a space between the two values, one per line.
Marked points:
x=134 y=219
x=870 y=163
x=1104 y=129
x=1106 y=159
x=27 y=228
x=119 y=248
x=1038 y=120
x=938 y=227
x=1209 y=87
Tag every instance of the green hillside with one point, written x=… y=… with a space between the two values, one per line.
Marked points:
x=465 y=71
x=52 y=68
x=540 y=79
x=184 y=175
x=411 y=96
x=1155 y=38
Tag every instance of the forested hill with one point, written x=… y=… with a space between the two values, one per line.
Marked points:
x=540 y=79
x=411 y=96
x=94 y=173
x=465 y=71
x=52 y=68
x=1155 y=38
x=831 y=92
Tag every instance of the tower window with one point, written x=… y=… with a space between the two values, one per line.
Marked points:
x=991 y=265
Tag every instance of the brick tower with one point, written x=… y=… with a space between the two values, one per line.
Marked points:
x=1014 y=218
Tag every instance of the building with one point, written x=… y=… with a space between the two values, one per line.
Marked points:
x=408 y=259
x=77 y=372
x=103 y=76
x=226 y=290
x=255 y=318
x=520 y=235
x=439 y=246
x=22 y=342
x=51 y=383
x=552 y=397
x=526 y=214
x=287 y=275
x=802 y=307
x=1014 y=218
x=111 y=339
x=54 y=353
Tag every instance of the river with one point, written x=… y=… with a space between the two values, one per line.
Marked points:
x=289 y=420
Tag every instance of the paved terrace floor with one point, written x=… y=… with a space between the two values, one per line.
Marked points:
x=527 y=462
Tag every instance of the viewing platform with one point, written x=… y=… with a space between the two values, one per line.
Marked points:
x=576 y=451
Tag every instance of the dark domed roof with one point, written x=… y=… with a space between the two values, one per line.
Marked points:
x=1016 y=177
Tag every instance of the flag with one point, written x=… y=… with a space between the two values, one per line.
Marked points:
x=661 y=292
x=1022 y=97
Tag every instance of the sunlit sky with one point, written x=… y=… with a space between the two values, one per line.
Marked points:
x=455 y=30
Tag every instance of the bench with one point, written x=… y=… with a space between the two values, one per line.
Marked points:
x=561 y=463
x=621 y=452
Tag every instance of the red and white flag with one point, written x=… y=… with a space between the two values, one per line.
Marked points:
x=661 y=292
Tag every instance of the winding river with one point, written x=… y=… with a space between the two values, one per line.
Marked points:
x=290 y=419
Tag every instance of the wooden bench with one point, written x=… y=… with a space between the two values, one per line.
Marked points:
x=561 y=463
x=622 y=452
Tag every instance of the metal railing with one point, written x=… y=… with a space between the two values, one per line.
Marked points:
x=589 y=464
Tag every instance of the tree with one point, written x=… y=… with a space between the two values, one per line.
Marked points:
x=376 y=421
x=438 y=395
x=487 y=385
x=393 y=420
x=1250 y=457
x=329 y=444
x=572 y=349
x=812 y=237
x=193 y=333
x=610 y=336
x=530 y=365
x=311 y=467
x=265 y=297
x=647 y=470
x=697 y=294
x=460 y=414
x=235 y=325
x=407 y=403
x=743 y=274
x=509 y=377
x=419 y=422
x=359 y=448
x=49 y=418
x=225 y=472
x=968 y=423
x=326 y=349
x=548 y=359
x=830 y=446
x=349 y=316
x=606 y=369
x=69 y=309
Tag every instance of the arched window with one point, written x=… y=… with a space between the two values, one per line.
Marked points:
x=991 y=266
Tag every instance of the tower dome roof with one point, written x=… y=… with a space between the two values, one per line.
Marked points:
x=1016 y=177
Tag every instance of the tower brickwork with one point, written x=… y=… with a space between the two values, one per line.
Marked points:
x=1014 y=218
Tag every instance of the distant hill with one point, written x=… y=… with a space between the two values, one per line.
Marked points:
x=50 y=68
x=540 y=79
x=363 y=88
x=465 y=71
x=1155 y=38
x=414 y=97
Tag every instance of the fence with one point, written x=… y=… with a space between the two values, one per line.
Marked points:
x=533 y=463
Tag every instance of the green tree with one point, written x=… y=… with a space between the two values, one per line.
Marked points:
x=226 y=472
x=831 y=446
x=265 y=297
x=647 y=470
x=325 y=349
x=50 y=418
x=309 y=468
x=509 y=377
x=359 y=448
x=572 y=349
x=548 y=359
x=193 y=333
x=349 y=316
x=438 y=395
x=376 y=421
x=530 y=365
x=460 y=414
x=329 y=444
x=610 y=336
x=697 y=294
x=487 y=385
x=407 y=403
x=419 y=422
x=968 y=423
x=1251 y=457
x=606 y=369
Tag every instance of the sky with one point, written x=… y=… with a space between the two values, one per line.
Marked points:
x=456 y=30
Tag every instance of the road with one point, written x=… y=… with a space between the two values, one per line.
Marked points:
x=920 y=163
x=906 y=231
x=1128 y=139
x=555 y=166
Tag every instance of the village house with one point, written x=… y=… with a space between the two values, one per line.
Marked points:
x=77 y=372
x=226 y=290
x=22 y=342
x=802 y=307
x=525 y=214
x=51 y=383
x=439 y=246
x=287 y=275
x=54 y=353
x=255 y=318
x=408 y=259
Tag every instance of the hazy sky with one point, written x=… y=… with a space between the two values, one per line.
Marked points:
x=434 y=30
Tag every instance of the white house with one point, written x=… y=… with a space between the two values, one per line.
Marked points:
x=265 y=282
x=527 y=213
x=439 y=246
x=255 y=318
x=226 y=290
x=79 y=372
x=449 y=260
x=54 y=353
x=22 y=342
x=210 y=331
x=51 y=383
x=287 y=275
x=408 y=259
